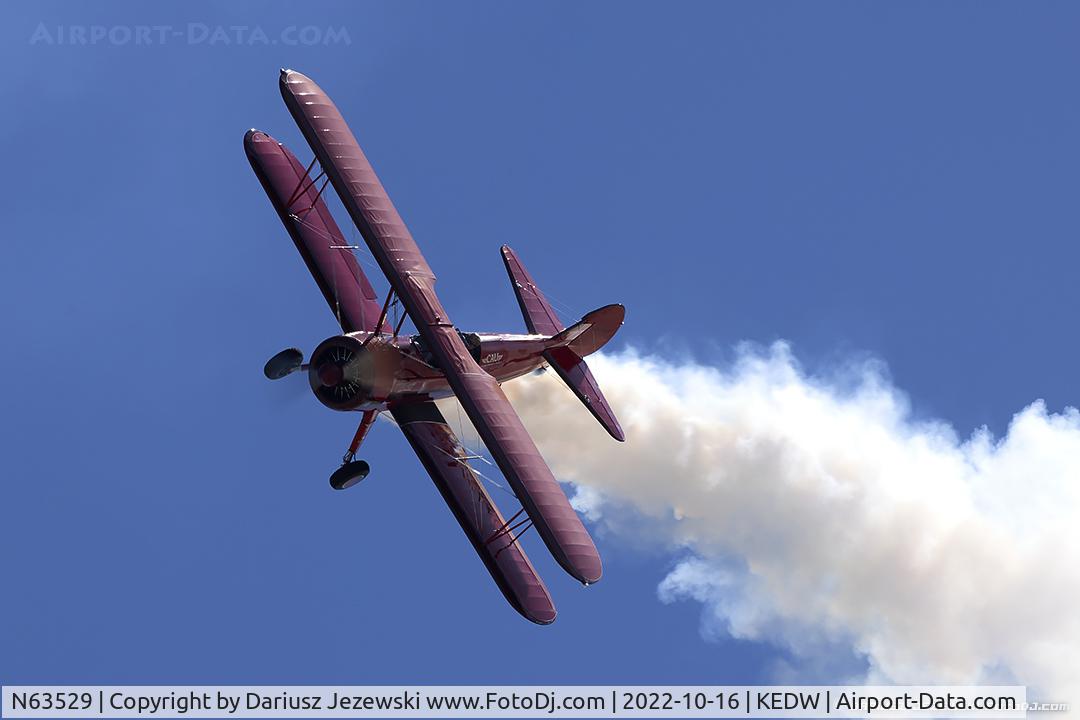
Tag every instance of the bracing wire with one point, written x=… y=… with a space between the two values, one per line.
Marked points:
x=364 y=257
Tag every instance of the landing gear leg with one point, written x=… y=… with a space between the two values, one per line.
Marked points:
x=352 y=470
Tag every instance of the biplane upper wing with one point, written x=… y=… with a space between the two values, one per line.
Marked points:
x=490 y=534
x=299 y=204
x=412 y=279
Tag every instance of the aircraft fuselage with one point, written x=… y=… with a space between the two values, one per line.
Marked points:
x=358 y=371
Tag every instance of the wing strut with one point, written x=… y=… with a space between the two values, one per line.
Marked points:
x=299 y=217
x=392 y=301
x=297 y=191
x=508 y=528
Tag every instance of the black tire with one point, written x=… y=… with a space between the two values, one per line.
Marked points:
x=349 y=474
x=284 y=363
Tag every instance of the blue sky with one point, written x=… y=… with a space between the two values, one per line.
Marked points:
x=860 y=179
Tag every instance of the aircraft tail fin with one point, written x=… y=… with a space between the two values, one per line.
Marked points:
x=567 y=347
x=540 y=318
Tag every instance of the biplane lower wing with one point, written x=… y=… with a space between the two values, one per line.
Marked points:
x=298 y=202
x=390 y=242
x=493 y=538
x=514 y=451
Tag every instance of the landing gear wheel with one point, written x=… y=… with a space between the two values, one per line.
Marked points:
x=349 y=474
x=284 y=363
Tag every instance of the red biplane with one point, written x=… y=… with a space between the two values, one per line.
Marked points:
x=372 y=368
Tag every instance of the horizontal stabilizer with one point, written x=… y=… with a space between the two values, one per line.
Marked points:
x=577 y=375
x=592 y=332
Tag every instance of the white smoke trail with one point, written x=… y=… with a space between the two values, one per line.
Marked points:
x=815 y=513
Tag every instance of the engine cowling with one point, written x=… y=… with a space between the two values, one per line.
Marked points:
x=346 y=374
